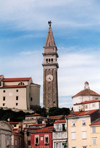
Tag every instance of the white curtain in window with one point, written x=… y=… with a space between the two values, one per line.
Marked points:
x=84 y=135
x=73 y=135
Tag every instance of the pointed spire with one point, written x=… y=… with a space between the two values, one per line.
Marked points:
x=50 y=39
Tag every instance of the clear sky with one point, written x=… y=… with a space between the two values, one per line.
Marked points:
x=76 y=29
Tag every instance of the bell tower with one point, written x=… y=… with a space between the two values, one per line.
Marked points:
x=50 y=68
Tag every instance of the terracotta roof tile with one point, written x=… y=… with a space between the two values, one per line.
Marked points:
x=86 y=102
x=1 y=75
x=97 y=122
x=56 y=117
x=82 y=113
x=16 y=79
x=60 y=121
x=86 y=92
x=32 y=115
x=14 y=86
x=45 y=129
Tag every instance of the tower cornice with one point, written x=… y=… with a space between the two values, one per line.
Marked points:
x=52 y=53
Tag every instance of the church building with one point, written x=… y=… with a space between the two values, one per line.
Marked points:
x=19 y=93
x=50 y=72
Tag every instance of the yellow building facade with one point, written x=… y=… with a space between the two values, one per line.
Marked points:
x=95 y=134
x=79 y=128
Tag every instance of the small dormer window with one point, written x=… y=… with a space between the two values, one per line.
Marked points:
x=21 y=83
x=96 y=98
x=83 y=122
x=73 y=123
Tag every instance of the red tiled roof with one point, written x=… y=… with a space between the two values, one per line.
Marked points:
x=16 y=79
x=86 y=82
x=32 y=115
x=97 y=122
x=13 y=122
x=86 y=92
x=14 y=86
x=82 y=113
x=56 y=117
x=37 y=124
x=32 y=128
x=86 y=102
x=45 y=129
x=60 y=121
x=1 y=75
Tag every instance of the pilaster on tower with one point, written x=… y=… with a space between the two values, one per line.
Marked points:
x=50 y=67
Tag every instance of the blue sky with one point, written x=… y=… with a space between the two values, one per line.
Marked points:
x=76 y=29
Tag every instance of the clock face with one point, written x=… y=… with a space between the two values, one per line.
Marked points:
x=49 y=78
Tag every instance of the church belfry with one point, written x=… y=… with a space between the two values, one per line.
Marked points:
x=50 y=67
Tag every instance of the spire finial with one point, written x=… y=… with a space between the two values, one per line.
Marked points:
x=49 y=22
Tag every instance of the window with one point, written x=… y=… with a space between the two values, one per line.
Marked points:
x=31 y=99
x=17 y=90
x=4 y=91
x=94 y=141
x=4 y=98
x=16 y=104
x=57 y=126
x=16 y=97
x=86 y=106
x=0 y=83
x=63 y=127
x=36 y=140
x=83 y=122
x=93 y=105
x=21 y=83
x=93 y=129
x=59 y=145
x=3 y=104
x=47 y=60
x=15 y=141
x=41 y=138
x=51 y=60
x=74 y=147
x=96 y=98
x=83 y=135
x=73 y=136
x=84 y=146
x=46 y=139
x=54 y=135
x=59 y=134
x=73 y=123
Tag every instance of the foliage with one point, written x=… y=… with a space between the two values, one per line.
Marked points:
x=14 y=116
x=19 y=116
x=58 y=111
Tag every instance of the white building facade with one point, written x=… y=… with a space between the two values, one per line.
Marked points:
x=20 y=93
x=86 y=99
x=59 y=133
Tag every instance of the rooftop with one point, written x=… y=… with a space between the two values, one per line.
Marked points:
x=16 y=79
x=82 y=113
x=45 y=129
x=60 y=121
x=97 y=122
x=86 y=92
x=86 y=102
x=36 y=114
